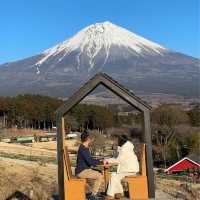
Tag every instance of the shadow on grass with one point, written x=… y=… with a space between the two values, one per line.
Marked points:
x=18 y=196
x=55 y=197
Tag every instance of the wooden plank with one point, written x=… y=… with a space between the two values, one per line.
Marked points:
x=79 y=95
x=143 y=160
x=110 y=84
x=68 y=164
x=123 y=95
x=127 y=91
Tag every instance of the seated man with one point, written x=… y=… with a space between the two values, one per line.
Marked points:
x=84 y=164
x=127 y=165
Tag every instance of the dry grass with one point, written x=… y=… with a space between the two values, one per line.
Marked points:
x=21 y=132
x=53 y=145
x=35 y=149
x=25 y=150
x=36 y=181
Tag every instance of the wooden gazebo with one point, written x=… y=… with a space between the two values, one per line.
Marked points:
x=127 y=96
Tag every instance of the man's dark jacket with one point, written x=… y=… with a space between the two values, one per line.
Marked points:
x=85 y=160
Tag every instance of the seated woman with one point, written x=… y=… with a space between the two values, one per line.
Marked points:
x=127 y=165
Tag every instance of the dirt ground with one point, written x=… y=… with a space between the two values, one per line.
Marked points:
x=179 y=190
x=39 y=180
x=36 y=181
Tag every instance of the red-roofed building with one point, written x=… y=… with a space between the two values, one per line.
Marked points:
x=182 y=165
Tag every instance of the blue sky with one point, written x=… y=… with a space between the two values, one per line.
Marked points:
x=27 y=27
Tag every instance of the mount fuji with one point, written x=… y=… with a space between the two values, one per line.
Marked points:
x=132 y=60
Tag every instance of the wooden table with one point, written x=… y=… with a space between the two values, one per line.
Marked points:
x=106 y=174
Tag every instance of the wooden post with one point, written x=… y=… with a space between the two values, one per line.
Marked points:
x=59 y=124
x=149 y=158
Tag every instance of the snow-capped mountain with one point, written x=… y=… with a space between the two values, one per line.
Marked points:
x=140 y=64
x=98 y=37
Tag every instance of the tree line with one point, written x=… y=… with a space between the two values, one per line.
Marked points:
x=28 y=111
x=38 y=112
x=175 y=131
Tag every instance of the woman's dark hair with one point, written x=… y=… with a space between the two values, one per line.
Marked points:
x=84 y=136
x=122 y=139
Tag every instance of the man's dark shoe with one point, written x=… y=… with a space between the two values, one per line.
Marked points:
x=100 y=195
x=92 y=197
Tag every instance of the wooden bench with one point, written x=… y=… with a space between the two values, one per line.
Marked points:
x=138 y=185
x=74 y=188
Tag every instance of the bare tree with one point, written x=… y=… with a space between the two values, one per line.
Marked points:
x=165 y=119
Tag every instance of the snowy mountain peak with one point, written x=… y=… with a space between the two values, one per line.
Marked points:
x=101 y=36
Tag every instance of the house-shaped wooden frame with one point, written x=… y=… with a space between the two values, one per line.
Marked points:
x=127 y=96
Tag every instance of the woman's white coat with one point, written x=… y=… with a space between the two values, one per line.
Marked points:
x=127 y=165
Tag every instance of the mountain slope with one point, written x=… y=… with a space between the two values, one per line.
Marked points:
x=134 y=61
